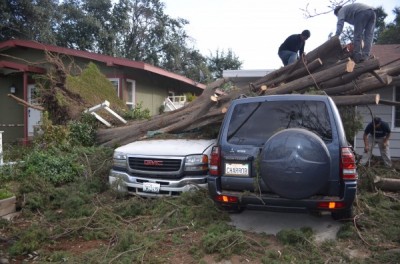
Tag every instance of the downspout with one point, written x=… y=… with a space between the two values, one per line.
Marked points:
x=25 y=108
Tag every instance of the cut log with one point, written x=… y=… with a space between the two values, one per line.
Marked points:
x=329 y=67
x=312 y=80
x=387 y=184
x=331 y=50
x=365 y=99
x=360 y=86
x=359 y=69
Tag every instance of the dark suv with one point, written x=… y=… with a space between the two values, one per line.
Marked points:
x=283 y=153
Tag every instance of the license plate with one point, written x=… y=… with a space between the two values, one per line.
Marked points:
x=151 y=187
x=237 y=169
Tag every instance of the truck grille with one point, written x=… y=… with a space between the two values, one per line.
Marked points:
x=155 y=165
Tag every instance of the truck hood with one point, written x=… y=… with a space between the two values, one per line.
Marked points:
x=168 y=147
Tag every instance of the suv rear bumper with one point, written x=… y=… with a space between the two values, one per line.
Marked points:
x=124 y=182
x=276 y=203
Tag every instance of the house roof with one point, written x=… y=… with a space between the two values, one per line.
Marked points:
x=387 y=53
x=108 y=60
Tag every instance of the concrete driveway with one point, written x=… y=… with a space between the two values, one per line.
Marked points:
x=324 y=227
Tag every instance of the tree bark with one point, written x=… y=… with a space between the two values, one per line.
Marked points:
x=386 y=184
x=359 y=69
x=365 y=99
x=360 y=86
x=314 y=79
x=329 y=51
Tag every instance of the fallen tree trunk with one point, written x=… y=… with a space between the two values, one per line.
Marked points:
x=359 y=69
x=312 y=80
x=387 y=184
x=330 y=51
x=329 y=65
x=360 y=86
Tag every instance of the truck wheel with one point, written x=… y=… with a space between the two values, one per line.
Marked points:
x=295 y=163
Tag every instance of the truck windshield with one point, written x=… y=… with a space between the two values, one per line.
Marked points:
x=254 y=123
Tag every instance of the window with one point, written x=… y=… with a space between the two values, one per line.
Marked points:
x=115 y=83
x=130 y=87
x=397 y=108
x=255 y=123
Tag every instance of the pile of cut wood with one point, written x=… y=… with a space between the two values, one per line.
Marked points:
x=328 y=68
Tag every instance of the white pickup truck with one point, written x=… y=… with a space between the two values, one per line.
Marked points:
x=161 y=167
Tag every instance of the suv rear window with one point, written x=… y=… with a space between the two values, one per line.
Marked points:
x=254 y=123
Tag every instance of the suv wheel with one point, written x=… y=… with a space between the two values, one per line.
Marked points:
x=346 y=214
x=295 y=163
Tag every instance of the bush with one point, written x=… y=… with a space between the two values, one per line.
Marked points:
x=56 y=166
x=137 y=113
x=83 y=131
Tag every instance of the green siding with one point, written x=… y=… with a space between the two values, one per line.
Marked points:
x=11 y=112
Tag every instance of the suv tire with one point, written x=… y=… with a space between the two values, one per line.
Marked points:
x=287 y=159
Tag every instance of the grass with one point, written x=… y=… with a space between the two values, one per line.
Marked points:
x=83 y=221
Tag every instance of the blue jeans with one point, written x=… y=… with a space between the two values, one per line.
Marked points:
x=364 y=25
x=287 y=56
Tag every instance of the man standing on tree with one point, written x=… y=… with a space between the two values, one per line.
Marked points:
x=293 y=44
x=363 y=18
x=377 y=132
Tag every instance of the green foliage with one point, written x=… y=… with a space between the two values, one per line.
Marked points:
x=224 y=240
x=95 y=88
x=29 y=240
x=190 y=97
x=295 y=237
x=137 y=113
x=83 y=131
x=223 y=61
x=51 y=134
x=346 y=231
x=53 y=165
x=391 y=33
x=5 y=193
x=352 y=121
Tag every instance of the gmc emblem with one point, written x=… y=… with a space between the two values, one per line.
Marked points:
x=153 y=162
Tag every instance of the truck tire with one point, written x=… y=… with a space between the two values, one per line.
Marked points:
x=295 y=163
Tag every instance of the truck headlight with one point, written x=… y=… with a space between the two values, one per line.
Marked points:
x=119 y=159
x=196 y=163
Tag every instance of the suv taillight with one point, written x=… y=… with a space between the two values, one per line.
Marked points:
x=348 y=164
x=215 y=161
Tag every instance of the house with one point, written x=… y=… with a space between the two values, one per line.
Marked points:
x=134 y=81
x=388 y=55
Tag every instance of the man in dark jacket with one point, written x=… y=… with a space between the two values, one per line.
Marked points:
x=377 y=132
x=363 y=18
x=291 y=46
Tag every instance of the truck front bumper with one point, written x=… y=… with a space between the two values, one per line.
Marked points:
x=124 y=182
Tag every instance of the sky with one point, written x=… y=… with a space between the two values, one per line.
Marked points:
x=254 y=29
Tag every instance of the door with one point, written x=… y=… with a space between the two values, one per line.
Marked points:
x=34 y=115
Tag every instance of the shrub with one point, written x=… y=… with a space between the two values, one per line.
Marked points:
x=137 y=113
x=83 y=131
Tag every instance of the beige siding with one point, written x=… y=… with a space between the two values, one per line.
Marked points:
x=150 y=97
x=386 y=113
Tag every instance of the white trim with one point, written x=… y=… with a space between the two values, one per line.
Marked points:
x=131 y=84
x=118 y=84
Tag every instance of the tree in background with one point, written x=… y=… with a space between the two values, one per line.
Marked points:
x=26 y=19
x=134 y=29
x=223 y=61
x=391 y=33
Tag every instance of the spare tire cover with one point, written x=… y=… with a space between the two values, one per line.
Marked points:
x=295 y=163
